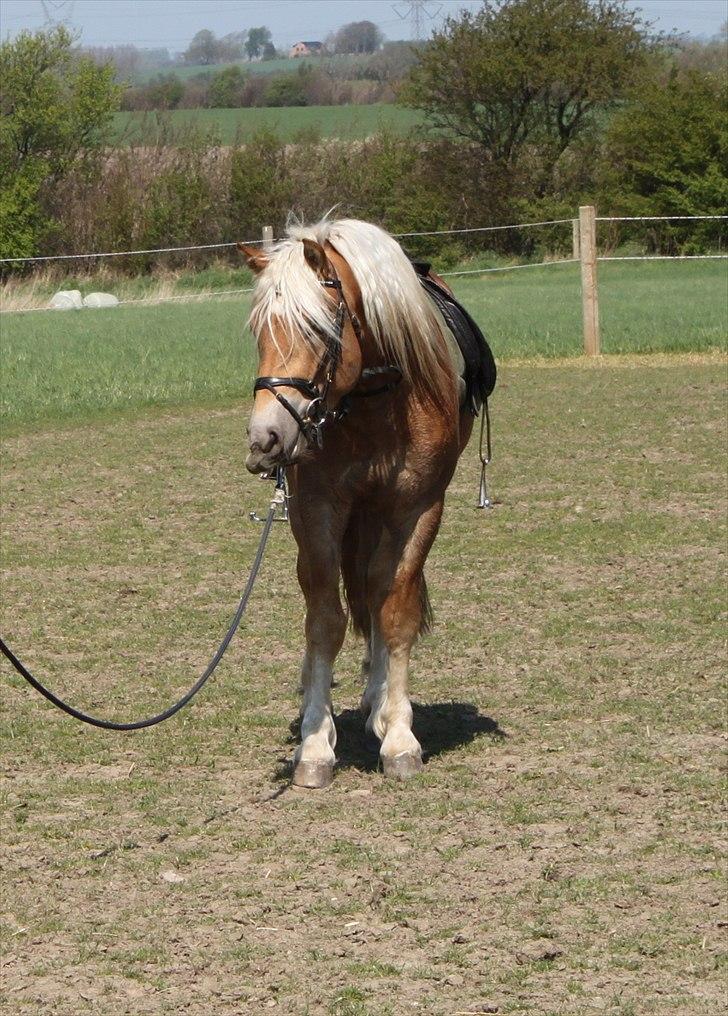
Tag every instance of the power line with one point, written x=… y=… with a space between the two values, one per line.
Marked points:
x=57 y=12
x=417 y=12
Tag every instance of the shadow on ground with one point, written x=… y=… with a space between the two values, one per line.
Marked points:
x=440 y=727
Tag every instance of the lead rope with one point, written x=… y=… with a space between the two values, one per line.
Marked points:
x=151 y=721
x=483 y=500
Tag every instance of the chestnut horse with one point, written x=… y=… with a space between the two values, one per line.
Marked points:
x=339 y=314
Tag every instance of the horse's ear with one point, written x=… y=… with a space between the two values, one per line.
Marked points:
x=256 y=259
x=315 y=257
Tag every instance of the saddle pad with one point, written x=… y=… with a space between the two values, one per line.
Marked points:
x=480 y=369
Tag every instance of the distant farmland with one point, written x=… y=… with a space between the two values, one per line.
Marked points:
x=231 y=125
x=281 y=64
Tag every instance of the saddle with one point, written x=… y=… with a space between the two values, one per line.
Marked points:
x=480 y=372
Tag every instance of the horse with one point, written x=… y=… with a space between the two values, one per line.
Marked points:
x=360 y=396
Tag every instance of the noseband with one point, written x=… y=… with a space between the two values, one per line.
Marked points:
x=314 y=416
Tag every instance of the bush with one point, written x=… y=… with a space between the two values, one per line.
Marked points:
x=21 y=218
x=666 y=153
x=260 y=189
x=287 y=90
x=227 y=88
x=56 y=109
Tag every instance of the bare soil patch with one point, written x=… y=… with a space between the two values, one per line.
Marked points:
x=563 y=853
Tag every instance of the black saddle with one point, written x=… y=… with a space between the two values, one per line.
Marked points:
x=480 y=368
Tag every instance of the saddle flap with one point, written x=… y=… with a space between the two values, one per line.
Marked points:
x=480 y=368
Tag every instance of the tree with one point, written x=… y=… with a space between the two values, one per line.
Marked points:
x=227 y=88
x=528 y=74
x=668 y=150
x=392 y=62
x=203 y=49
x=258 y=39
x=358 y=37
x=165 y=91
x=55 y=106
x=231 y=46
x=287 y=90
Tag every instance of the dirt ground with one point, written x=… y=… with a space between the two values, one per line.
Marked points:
x=563 y=852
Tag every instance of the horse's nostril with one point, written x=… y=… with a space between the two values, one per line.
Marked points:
x=274 y=441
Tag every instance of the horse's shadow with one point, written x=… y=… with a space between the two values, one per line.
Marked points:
x=440 y=727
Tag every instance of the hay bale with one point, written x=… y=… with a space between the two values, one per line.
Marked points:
x=100 y=300
x=66 y=299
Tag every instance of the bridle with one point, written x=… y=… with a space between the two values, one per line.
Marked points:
x=311 y=421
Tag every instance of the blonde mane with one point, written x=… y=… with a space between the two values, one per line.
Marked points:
x=402 y=320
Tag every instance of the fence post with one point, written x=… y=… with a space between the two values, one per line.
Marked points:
x=575 y=245
x=267 y=236
x=589 y=292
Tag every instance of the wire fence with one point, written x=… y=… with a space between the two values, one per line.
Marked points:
x=578 y=254
x=228 y=245
x=656 y=218
x=125 y=253
x=663 y=257
x=510 y=268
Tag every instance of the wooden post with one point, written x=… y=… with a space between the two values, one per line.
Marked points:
x=575 y=245
x=267 y=237
x=589 y=292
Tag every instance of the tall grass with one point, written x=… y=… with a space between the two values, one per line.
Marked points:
x=645 y=307
x=66 y=366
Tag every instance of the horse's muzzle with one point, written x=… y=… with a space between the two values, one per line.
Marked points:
x=259 y=461
x=273 y=437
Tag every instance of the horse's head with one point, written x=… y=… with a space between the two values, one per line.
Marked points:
x=308 y=353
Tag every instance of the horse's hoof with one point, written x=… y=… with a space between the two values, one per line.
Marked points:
x=313 y=775
x=402 y=767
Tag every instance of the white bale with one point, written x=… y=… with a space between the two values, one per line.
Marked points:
x=66 y=299
x=100 y=300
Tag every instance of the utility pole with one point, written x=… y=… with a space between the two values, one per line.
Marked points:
x=57 y=12
x=417 y=11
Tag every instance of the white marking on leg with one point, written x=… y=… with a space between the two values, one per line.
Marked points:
x=318 y=732
x=395 y=717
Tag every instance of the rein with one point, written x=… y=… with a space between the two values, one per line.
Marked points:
x=310 y=423
x=151 y=721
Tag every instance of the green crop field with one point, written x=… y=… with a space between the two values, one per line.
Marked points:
x=562 y=853
x=62 y=365
x=233 y=125
x=277 y=66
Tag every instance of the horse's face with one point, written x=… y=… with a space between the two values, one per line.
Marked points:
x=275 y=433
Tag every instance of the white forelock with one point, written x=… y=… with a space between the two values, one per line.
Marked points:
x=400 y=317
x=288 y=291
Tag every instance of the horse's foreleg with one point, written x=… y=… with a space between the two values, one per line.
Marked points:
x=397 y=614
x=325 y=629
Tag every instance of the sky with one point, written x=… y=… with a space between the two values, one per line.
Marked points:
x=172 y=23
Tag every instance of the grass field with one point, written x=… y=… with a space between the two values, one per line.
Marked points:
x=235 y=125
x=278 y=66
x=563 y=852
x=66 y=367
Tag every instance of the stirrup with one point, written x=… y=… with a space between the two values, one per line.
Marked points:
x=483 y=500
